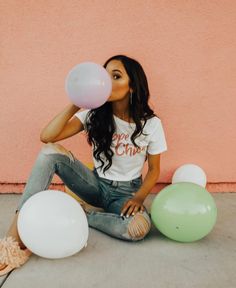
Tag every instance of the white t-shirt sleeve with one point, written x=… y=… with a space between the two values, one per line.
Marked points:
x=157 y=143
x=82 y=116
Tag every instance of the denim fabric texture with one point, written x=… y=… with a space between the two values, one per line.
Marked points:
x=99 y=192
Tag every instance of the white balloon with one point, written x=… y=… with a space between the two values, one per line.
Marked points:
x=190 y=173
x=88 y=85
x=52 y=224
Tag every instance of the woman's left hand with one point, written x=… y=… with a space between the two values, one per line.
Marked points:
x=132 y=206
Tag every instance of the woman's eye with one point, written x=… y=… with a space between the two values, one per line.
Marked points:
x=118 y=76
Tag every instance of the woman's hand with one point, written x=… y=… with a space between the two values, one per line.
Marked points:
x=132 y=206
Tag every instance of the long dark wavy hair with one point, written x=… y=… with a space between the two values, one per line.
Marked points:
x=100 y=123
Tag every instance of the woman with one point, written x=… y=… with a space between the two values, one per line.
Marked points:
x=124 y=133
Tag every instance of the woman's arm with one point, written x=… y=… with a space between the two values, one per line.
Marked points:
x=56 y=125
x=149 y=182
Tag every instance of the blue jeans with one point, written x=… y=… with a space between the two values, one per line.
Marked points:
x=99 y=192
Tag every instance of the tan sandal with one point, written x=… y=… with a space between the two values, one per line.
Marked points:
x=11 y=255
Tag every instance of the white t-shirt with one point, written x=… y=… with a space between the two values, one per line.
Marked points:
x=128 y=160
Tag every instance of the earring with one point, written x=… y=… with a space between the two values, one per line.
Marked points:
x=130 y=98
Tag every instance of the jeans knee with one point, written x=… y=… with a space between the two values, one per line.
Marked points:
x=55 y=148
x=139 y=226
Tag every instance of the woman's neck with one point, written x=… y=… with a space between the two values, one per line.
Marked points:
x=121 y=108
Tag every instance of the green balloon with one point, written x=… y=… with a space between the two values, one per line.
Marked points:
x=184 y=212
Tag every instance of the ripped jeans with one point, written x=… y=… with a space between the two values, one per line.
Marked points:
x=99 y=192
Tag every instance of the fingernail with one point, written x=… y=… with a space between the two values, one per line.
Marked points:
x=121 y=214
x=127 y=216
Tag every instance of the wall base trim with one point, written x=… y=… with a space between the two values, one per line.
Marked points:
x=18 y=188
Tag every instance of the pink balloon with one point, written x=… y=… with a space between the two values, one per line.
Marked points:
x=88 y=85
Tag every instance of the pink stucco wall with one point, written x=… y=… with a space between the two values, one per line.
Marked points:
x=187 y=49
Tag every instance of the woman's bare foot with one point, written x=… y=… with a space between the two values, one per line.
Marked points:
x=85 y=207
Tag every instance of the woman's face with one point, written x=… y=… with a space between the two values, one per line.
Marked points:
x=120 y=81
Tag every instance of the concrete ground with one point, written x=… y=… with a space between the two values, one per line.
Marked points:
x=154 y=262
